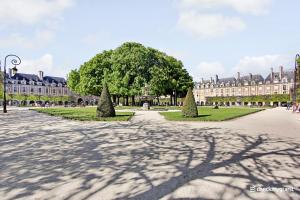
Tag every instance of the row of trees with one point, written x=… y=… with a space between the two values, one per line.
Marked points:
x=127 y=69
x=260 y=98
x=24 y=97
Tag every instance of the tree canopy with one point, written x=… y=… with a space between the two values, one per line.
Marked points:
x=127 y=69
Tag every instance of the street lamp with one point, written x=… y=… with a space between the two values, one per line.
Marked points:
x=15 y=60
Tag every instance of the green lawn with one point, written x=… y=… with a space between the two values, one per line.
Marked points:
x=210 y=114
x=83 y=114
x=126 y=107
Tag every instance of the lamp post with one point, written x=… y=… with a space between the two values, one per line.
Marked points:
x=15 y=60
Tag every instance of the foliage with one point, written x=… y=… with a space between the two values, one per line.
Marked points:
x=24 y=97
x=83 y=114
x=259 y=98
x=128 y=68
x=105 y=106
x=189 y=105
x=211 y=114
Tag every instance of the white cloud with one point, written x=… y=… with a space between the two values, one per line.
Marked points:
x=43 y=15
x=43 y=63
x=209 y=25
x=262 y=64
x=207 y=18
x=31 y=11
x=96 y=39
x=208 y=69
x=248 y=64
x=254 y=7
x=40 y=38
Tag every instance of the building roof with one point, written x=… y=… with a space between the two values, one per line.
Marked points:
x=35 y=79
x=52 y=79
x=27 y=77
x=256 y=77
x=227 y=80
x=286 y=74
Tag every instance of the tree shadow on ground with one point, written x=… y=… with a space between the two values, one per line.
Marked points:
x=140 y=160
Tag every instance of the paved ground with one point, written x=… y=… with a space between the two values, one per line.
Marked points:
x=43 y=157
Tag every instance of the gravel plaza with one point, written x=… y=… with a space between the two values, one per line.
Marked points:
x=252 y=157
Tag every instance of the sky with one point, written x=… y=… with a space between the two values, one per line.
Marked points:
x=209 y=36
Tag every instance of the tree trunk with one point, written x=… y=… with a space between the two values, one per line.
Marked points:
x=132 y=100
x=118 y=100
x=157 y=100
x=123 y=100
x=126 y=100
x=114 y=98
x=171 y=99
x=175 y=98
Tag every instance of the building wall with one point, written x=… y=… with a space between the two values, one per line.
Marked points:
x=43 y=90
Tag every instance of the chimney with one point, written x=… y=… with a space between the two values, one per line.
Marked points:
x=281 y=72
x=272 y=74
x=238 y=75
x=41 y=75
x=9 y=72
x=250 y=76
x=217 y=78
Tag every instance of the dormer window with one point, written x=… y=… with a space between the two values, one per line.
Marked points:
x=253 y=83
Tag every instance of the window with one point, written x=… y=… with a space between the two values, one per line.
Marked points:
x=40 y=90
x=15 y=89
x=284 y=80
x=31 y=90
x=284 y=87
x=23 y=89
x=47 y=91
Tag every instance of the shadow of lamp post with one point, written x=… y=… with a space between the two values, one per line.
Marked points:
x=15 y=60
x=296 y=79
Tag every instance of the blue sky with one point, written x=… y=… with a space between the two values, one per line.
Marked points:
x=209 y=36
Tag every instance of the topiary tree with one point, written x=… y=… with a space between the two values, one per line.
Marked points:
x=105 y=106
x=189 y=105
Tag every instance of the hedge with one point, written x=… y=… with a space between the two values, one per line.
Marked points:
x=20 y=97
x=259 y=98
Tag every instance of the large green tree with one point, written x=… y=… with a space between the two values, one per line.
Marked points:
x=128 y=68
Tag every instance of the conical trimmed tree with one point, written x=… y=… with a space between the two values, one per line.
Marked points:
x=189 y=105
x=105 y=106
